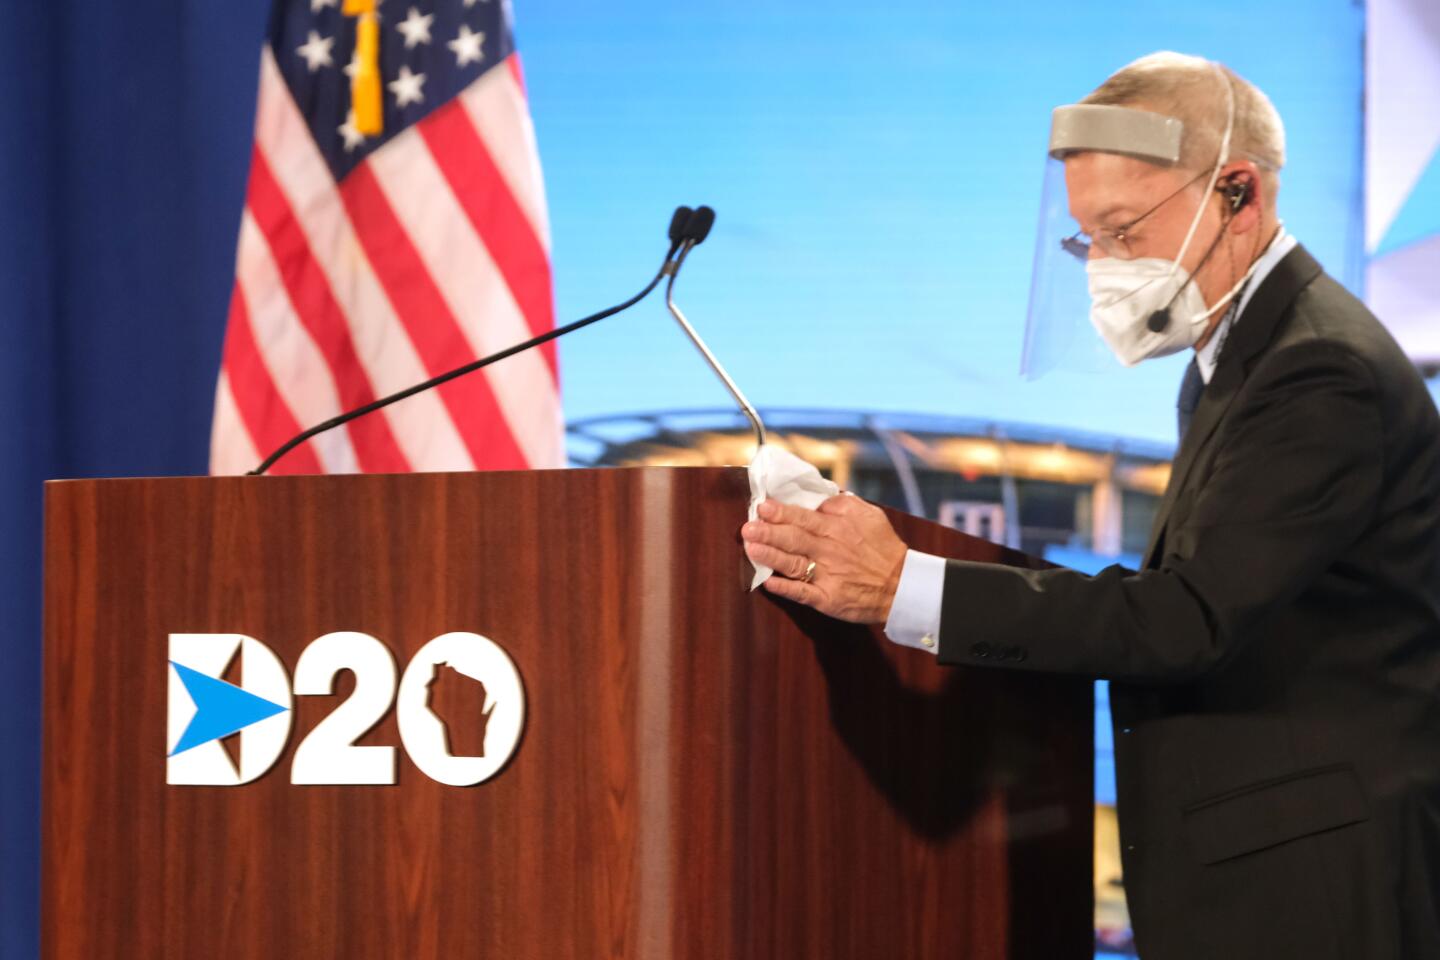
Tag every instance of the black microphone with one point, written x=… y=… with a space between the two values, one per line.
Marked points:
x=680 y=234
x=678 y=221
x=690 y=235
x=698 y=224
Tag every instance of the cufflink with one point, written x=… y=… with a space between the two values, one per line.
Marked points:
x=927 y=641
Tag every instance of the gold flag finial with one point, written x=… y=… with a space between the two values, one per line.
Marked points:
x=365 y=93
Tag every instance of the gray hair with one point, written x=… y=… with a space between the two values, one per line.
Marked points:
x=1186 y=88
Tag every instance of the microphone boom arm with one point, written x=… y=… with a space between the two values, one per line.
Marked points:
x=461 y=371
x=673 y=269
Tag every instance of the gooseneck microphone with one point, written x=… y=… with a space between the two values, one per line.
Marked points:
x=680 y=240
x=696 y=229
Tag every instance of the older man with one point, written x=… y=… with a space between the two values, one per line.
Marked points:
x=1276 y=664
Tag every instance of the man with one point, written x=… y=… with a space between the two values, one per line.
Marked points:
x=1275 y=666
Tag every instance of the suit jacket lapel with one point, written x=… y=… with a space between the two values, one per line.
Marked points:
x=1249 y=335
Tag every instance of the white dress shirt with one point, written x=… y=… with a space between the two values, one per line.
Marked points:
x=915 y=613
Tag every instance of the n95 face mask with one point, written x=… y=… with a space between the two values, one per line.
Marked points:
x=1124 y=294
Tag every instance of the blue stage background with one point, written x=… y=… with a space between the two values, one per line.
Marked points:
x=122 y=170
x=876 y=172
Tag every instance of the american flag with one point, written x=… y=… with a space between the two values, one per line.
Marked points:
x=394 y=228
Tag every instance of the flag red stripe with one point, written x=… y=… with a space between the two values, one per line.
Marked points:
x=376 y=449
x=432 y=327
x=497 y=218
x=513 y=62
x=263 y=410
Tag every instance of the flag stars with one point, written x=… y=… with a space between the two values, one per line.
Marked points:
x=466 y=46
x=317 y=5
x=415 y=27
x=351 y=133
x=471 y=3
x=316 y=51
x=406 y=87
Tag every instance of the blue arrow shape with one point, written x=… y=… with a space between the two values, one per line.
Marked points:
x=220 y=708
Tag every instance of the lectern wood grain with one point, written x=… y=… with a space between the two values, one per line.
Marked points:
x=704 y=773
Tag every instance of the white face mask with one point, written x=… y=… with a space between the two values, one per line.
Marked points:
x=1124 y=294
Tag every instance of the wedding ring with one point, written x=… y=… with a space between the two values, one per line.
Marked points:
x=809 y=572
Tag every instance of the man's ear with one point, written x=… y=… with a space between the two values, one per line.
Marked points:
x=1243 y=194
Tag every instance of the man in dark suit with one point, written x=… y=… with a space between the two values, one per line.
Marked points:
x=1275 y=665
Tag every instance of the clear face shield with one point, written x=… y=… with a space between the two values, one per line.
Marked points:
x=1058 y=329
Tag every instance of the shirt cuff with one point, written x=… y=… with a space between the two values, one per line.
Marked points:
x=915 y=613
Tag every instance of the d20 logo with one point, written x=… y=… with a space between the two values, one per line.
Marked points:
x=460 y=709
x=204 y=709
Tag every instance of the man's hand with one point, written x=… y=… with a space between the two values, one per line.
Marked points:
x=856 y=553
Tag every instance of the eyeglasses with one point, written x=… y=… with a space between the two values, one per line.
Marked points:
x=1114 y=242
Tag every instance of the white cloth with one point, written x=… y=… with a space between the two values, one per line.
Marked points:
x=776 y=474
x=915 y=612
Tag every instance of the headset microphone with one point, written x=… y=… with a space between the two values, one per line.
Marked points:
x=1237 y=194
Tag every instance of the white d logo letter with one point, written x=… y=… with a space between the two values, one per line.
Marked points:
x=204 y=709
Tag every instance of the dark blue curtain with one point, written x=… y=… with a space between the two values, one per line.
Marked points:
x=122 y=175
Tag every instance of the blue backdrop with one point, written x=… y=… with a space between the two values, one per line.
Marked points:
x=122 y=170
x=876 y=172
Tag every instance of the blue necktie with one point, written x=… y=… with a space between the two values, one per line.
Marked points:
x=1190 y=390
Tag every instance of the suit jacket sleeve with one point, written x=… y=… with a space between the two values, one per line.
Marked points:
x=1293 y=485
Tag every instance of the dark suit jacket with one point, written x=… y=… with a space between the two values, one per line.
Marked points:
x=1275 y=667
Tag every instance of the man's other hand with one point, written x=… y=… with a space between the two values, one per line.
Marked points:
x=856 y=553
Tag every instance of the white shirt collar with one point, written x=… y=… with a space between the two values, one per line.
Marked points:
x=1209 y=355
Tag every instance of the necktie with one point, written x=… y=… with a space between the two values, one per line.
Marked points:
x=1190 y=390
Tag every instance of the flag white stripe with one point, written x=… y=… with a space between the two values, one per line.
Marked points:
x=297 y=367
x=232 y=451
x=497 y=109
x=421 y=425
x=474 y=290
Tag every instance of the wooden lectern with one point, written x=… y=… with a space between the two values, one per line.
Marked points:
x=703 y=772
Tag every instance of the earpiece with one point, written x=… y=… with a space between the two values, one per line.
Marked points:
x=1236 y=193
